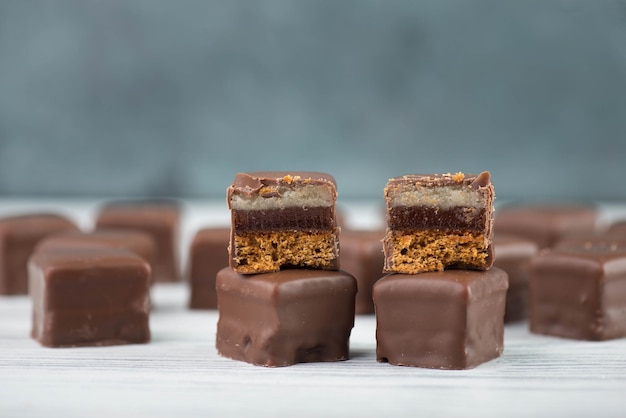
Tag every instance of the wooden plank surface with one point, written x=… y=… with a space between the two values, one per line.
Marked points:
x=180 y=374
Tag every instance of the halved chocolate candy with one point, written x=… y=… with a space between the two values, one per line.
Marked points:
x=438 y=221
x=283 y=219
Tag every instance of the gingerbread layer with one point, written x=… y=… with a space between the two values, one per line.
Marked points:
x=269 y=251
x=412 y=252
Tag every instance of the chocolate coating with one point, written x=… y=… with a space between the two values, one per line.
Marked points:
x=362 y=256
x=249 y=184
x=89 y=297
x=284 y=318
x=474 y=181
x=137 y=242
x=441 y=320
x=161 y=220
x=545 y=224
x=19 y=236
x=579 y=292
x=513 y=255
x=208 y=254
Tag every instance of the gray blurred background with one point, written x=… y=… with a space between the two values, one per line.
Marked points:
x=172 y=98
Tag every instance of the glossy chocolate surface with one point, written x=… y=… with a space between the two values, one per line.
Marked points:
x=443 y=320
x=137 y=242
x=284 y=318
x=160 y=220
x=361 y=254
x=545 y=224
x=89 y=297
x=19 y=235
x=513 y=255
x=579 y=292
x=254 y=183
x=475 y=181
x=208 y=254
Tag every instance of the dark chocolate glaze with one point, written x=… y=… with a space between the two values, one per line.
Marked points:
x=425 y=218
x=19 y=235
x=292 y=218
x=443 y=320
x=284 y=318
x=89 y=297
x=579 y=294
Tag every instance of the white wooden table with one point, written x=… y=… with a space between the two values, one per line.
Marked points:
x=179 y=374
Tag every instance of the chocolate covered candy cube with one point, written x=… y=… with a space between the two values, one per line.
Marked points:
x=286 y=317
x=160 y=220
x=438 y=221
x=361 y=255
x=89 y=297
x=19 y=236
x=208 y=254
x=579 y=292
x=441 y=320
x=545 y=224
x=283 y=219
x=137 y=242
x=513 y=255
